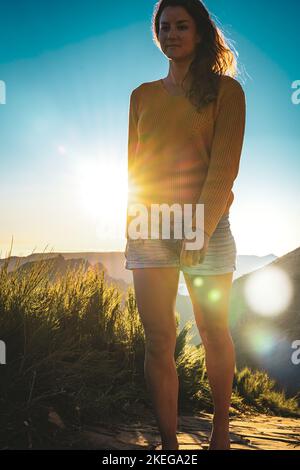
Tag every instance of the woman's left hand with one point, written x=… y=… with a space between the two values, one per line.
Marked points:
x=192 y=257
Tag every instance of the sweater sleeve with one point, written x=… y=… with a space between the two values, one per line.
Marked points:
x=225 y=154
x=132 y=144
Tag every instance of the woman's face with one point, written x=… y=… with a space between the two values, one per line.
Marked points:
x=178 y=29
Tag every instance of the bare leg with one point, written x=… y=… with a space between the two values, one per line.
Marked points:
x=211 y=305
x=156 y=290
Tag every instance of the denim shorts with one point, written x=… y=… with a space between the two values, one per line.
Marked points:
x=220 y=257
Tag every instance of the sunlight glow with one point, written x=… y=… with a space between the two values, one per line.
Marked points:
x=261 y=340
x=102 y=193
x=269 y=291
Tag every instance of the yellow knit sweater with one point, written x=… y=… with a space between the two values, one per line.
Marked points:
x=177 y=155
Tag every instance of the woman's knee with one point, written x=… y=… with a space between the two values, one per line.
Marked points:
x=215 y=332
x=160 y=343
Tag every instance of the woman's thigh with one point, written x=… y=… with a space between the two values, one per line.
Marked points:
x=210 y=296
x=155 y=291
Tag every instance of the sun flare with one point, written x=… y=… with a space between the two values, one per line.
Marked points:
x=269 y=291
x=102 y=194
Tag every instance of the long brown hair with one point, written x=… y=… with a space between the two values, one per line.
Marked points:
x=213 y=58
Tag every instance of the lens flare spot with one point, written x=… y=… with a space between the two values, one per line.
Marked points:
x=269 y=291
x=214 y=295
x=260 y=340
x=198 y=281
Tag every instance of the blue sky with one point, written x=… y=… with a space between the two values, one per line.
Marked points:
x=69 y=69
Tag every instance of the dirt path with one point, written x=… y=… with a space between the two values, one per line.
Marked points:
x=253 y=432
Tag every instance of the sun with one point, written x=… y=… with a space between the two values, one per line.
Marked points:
x=102 y=190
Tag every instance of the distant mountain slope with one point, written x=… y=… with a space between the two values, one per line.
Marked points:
x=247 y=263
x=58 y=267
x=265 y=341
x=114 y=263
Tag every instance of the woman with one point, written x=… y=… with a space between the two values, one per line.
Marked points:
x=185 y=139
